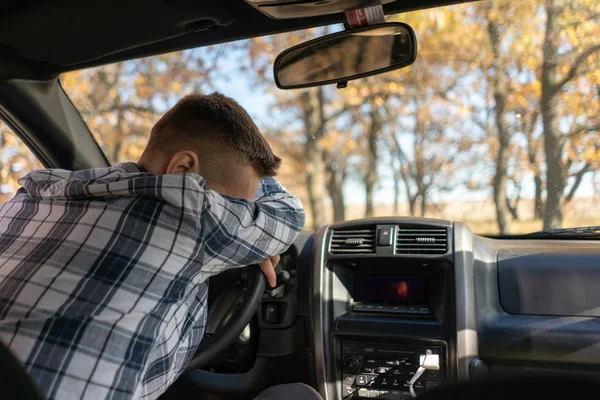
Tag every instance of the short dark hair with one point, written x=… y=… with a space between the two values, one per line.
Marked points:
x=218 y=119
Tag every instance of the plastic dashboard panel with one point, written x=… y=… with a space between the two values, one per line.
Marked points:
x=550 y=281
x=513 y=344
x=522 y=306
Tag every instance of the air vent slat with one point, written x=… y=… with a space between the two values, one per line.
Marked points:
x=424 y=230
x=353 y=241
x=441 y=235
x=425 y=241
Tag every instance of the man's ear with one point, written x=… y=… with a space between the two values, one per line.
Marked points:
x=183 y=161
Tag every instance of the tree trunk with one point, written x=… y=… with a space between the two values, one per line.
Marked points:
x=423 y=202
x=538 y=207
x=412 y=205
x=553 y=143
x=120 y=130
x=514 y=210
x=396 y=195
x=499 y=89
x=532 y=157
x=396 y=188
x=315 y=185
x=500 y=178
x=335 y=187
x=313 y=118
x=578 y=178
x=371 y=174
x=337 y=201
x=412 y=200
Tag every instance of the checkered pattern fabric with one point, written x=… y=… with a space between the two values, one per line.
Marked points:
x=103 y=273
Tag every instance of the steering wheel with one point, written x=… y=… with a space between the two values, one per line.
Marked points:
x=242 y=312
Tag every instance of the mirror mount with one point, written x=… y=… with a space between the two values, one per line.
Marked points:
x=342 y=85
x=347 y=55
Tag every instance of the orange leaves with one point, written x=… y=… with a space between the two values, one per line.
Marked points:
x=16 y=160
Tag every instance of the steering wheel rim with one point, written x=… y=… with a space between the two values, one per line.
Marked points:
x=225 y=335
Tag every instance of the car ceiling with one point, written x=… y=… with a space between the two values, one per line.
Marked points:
x=40 y=39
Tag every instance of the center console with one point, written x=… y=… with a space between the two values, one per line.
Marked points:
x=373 y=370
x=384 y=309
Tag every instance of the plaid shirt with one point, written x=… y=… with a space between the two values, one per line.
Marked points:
x=103 y=273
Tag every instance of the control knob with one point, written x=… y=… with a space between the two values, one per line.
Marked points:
x=351 y=364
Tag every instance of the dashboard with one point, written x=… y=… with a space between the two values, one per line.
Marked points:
x=401 y=306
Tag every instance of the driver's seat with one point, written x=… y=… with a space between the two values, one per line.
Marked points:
x=15 y=383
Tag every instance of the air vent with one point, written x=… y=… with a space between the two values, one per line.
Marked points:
x=353 y=241
x=421 y=240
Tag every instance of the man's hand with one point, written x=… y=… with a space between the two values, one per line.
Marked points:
x=268 y=268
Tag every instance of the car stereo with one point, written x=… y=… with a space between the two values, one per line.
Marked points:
x=379 y=371
x=391 y=293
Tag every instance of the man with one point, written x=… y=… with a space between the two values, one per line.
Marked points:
x=103 y=272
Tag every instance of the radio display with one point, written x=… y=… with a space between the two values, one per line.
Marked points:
x=391 y=288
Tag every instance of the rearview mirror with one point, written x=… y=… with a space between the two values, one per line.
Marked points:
x=347 y=55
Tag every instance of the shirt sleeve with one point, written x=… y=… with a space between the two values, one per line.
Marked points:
x=238 y=232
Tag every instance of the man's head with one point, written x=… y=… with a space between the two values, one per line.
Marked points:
x=213 y=136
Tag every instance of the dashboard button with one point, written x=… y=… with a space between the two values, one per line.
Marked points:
x=364 y=393
x=369 y=307
x=348 y=391
x=386 y=232
x=380 y=308
x=371 y=380
x=412 y=310
x=398 y=309
x=359 y=307
x=367 y=370
x=419 y=387
x=370 y=361
x=383 y=370
x=348 y=379
x=349 y=348
x=396 y=395
x=389 y=363
x=361 y=380
x=385 y=382
x=373 y=393
x=424 y=310
x=397 y=383
x=385 y=394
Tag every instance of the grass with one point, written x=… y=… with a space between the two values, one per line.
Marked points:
x=480 y=216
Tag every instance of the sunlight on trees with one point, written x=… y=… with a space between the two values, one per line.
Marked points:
x=500 y=113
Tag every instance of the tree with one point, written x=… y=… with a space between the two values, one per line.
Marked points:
x=338 y=146
x=311 y=114
x=15 y=161
x=566 y=58
x=499 y=88
x=120 y=102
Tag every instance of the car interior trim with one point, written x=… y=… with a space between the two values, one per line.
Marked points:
x=466 y=330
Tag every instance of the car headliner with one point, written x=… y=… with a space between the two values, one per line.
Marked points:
x=41 y=39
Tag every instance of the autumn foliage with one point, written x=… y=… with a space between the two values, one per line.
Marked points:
x=502 y=106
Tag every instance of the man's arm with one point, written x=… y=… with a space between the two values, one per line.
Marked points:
x=239 y=232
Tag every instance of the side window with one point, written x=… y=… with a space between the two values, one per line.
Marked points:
x=16 y=160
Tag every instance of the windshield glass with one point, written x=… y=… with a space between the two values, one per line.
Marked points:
x=496 y=124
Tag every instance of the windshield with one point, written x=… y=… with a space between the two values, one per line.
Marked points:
x=496 y=124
